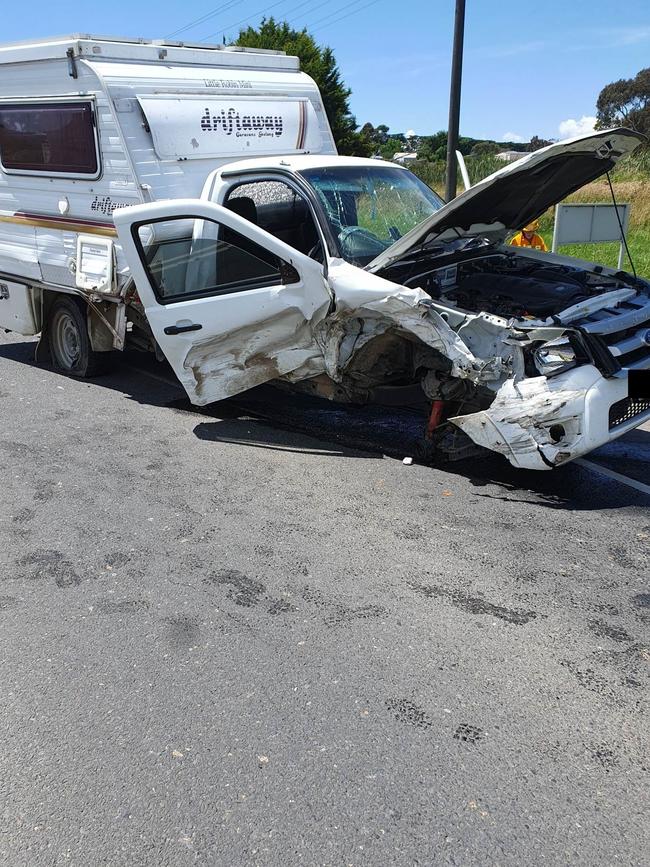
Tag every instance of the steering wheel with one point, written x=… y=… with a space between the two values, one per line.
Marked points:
x=349 y=231
x=358 y=243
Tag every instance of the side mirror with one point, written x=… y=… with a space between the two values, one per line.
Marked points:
x=288 y=273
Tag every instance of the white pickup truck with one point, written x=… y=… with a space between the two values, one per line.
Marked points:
x=344 y=277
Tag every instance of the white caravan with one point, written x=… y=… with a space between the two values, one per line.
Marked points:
x=189 y=201
x=89 y=125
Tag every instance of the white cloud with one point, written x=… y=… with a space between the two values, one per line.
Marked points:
x=514 y=137
x=630 y=35
x=512 y=49
x=571 y=127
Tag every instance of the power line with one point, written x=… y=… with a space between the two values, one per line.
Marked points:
x=244 y=20
x=261 y=12
x=317 y=6
x=223 y=8
x=332 y=14
x=289 y=12
x=341 y=18
x=231 y=3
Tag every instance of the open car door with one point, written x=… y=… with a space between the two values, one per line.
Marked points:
x=230 y=306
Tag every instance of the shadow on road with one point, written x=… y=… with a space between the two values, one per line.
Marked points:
x=271 y=418
x=121 y=377
x=261 y=435
x=294 y=420
x=231 y=421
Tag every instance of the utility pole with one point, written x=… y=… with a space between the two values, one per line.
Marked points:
x=454 y=99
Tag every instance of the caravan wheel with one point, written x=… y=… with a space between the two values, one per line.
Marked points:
x=69 y=341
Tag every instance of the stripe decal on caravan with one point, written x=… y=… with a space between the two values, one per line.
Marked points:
x=65 y=224
x=302 y=126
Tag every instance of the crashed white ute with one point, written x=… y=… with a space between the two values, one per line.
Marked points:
x=350 y=279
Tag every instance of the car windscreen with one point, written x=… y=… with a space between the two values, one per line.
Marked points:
x=369 y=208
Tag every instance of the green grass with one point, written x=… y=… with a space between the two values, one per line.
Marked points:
x=631 y=182
x=636 y=191
x=638 y=241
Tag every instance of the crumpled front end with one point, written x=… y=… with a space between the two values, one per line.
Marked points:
x=541 y=422
x=479 y=368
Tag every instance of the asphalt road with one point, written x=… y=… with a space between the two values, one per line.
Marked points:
x=224 y=642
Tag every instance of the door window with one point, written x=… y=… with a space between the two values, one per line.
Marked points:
x=190 y=258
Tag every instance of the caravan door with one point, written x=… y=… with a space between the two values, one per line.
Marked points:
x=230 y=306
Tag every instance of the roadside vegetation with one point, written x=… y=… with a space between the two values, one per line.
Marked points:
x=622 y=103
x=631 y=183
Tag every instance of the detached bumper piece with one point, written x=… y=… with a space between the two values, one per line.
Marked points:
x=627 y=409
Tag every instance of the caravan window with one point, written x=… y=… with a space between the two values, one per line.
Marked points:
x=49 y=138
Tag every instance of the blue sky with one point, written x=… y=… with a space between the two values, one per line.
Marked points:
x=529 y=68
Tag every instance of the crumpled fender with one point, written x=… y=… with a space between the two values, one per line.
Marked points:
x=344 y=332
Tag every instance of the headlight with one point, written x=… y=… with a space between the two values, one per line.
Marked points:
x=554 y=357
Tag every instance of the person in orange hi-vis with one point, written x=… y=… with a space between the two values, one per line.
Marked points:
x=529 y=237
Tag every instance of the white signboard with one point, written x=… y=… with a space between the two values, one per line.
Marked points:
x=590 y=224
x=204 y=127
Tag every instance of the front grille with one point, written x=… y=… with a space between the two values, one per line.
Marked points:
x=625 y=329
x=627 y=409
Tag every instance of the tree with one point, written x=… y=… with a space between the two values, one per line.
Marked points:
x=320 y=64
x=392 y=146
x=382 y=133
x=427 y=148
x=626 y=102
x=433 y=147
x=375 y=136
x=484 y=148
x=433 y=142
x=536 y=143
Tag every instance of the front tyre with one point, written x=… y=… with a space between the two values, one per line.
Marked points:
x=70 y=348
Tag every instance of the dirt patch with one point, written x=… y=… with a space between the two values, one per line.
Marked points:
x=607 y=630
x=125 y=606
x=475 y=604
x=182 y=631
x=44 y=565
x=243 y=590
x=407 y=712
x=468 y=734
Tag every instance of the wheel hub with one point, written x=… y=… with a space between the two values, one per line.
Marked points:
x=66 y=339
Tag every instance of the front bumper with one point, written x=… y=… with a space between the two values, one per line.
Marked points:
x=541 y=423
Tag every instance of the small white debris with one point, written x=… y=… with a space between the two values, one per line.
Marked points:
x=407 y=462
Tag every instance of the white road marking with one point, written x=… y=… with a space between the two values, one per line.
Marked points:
x=611 y=474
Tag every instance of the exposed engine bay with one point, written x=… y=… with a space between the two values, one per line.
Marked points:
x=504 y=283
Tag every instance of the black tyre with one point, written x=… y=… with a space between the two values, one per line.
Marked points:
x=69 y=343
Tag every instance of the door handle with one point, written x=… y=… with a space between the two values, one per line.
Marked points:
x=179 y=329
